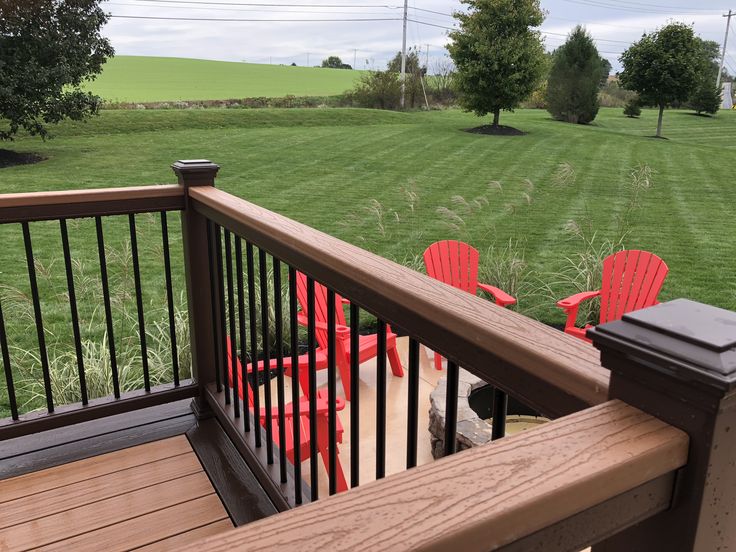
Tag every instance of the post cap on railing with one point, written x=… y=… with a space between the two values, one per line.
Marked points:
x=682 y=339
x=195 y=172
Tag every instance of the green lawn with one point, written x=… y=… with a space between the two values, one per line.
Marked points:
x=157 y=79
x=353 y=173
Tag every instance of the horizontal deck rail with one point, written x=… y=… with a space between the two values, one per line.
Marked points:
x=36 y=206
x=532 y=488
x=546 y=369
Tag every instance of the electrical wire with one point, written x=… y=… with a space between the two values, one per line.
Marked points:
x=617 y=7
x=232 y=19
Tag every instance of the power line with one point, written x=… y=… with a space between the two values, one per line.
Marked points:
x=594 y=38
x=229 y=19
x=618 y=7
x=236 y=10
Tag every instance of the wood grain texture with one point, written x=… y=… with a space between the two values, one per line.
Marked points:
x=149 y=528
x=111 y=511
x=482 y=498
x=550 y=371
x=182 y=539
x=97 y=466
x=98 y=488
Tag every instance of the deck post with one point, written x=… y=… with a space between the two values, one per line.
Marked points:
x=677 y=361
x=197 y=269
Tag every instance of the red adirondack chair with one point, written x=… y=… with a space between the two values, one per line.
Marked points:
x=456 y=263
x=632 y=280
x=368 y=344
x=323 y=442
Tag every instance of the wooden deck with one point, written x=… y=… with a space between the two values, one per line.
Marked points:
x=154 y=496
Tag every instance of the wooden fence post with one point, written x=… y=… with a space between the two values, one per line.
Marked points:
x=197 y=270
x=677 y=361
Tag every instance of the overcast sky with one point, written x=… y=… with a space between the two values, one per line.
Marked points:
x=614 y=23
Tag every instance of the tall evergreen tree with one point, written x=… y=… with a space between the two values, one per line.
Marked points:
x=498 y=54
x=705 y=97
x=574 y=80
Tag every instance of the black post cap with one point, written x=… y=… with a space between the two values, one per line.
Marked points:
x=195 y=172
x=687 y=340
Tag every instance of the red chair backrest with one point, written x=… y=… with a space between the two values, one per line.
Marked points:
x=320 y=306
x=632 y=280
x=454 y=263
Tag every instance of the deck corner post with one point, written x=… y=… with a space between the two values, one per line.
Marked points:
x=193 y=173
x=677 y=361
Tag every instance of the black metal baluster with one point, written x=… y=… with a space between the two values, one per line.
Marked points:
x=241 y=330
x=221 y=294
x=278 y=316
x=412 y=424
x=295 y=399
x=265 y=336
x=170 y=297
x=312 y=355
x=7 y=367
x=331 y=393
x=75 y=314
x=233 y=343
x=138 y=301
x=253 y=340
x=453 y=377
x=213 y=299
x=354 y=395
x=108 y=308
x=381 y=402
x=500 y=403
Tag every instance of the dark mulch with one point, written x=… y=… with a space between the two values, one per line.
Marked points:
x=10 y=158
x=499 y=130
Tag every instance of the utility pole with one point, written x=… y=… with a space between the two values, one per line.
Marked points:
x=307 y=59
x=403 y=56
x=723 y=52
x=355 y=57
x=426 y=63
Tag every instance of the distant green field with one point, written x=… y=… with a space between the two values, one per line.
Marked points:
x=158 y=79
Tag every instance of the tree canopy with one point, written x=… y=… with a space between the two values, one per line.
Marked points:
x=574 y=79
x=662 y=67
x=334 y=62
x=498 y=55
x=706 y=97
x=48 y=49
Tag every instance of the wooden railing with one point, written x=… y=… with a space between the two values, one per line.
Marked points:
x=637 y=457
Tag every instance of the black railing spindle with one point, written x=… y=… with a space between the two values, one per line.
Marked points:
x=213 y=298
x=500 y=404
x=412 y=424
x=74 y=312
x=331 y=393
x=279 y=336
x=253 y=325
x=312 y=356
x=241 y=331
x=221 y=295
x=381 y=401
x=295 y=398
x=170 y=297
x=453 y=377
x=108 y=308
x=354 y=395
x=139 y=302
x=265 y=338
x=233 y=343
x=8 y=370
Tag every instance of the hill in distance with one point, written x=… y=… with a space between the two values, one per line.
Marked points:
x=160 y=79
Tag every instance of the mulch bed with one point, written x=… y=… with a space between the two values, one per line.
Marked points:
x=10 y=158
x=499 y=130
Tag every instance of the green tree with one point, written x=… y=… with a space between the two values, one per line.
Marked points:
x=705 y=97
x=334 y=62
x=498 y=55
x=48 y=49
x=574 y=80
x=414 y=73
x=662 y=67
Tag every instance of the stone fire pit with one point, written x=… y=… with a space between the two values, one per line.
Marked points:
x=473 y=428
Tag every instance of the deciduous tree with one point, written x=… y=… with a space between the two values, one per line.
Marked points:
x=498 y=54
x=48 y=49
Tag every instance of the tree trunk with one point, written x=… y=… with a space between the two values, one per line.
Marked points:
x=496 y=116
x=659 y=121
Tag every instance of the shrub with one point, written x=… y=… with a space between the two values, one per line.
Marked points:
x=377 y=90
x=612 y=95
x=706 y=99
x=632 y=108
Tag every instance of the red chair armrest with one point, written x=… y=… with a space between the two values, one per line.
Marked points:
x=341 y=331
x=502 y=298
x=575 y=300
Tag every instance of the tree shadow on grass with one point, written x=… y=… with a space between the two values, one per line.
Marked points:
x=499 y=130
x=9 y=158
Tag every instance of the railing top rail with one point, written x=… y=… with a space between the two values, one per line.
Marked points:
x=545 y=368
x=33 y=206
x=490 y=497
